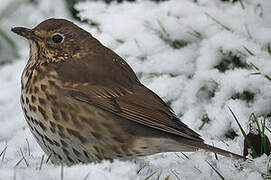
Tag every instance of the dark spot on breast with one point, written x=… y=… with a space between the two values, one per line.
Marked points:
x=53 y=130
x=24 y=110
x=64 y=116
x=62 y=135
x=33 y=99
x=53 y=125
x=34 y=108
x=51 y=97
x=27 y=117
x=49 y=140
x=38 y=132
x=27 y=100
x=60 y=128
x=49 y=149
x=77 y=134
x=56 y=143
x=80 y=161
x=59 y=157
x=55 y=115
x=30 y=107
x=65 y=151
x=22 y=99
x=43 y=87
x=30 y=90
x=70 y=159
x=76 y=152
x=86 y=154
x=43 y=113
x=42 y=126
x=34 y=78
x=31 y=119
x=35 y=121
x=36 y=89
x=64 y=144
x=45 y=63
x=42 y=101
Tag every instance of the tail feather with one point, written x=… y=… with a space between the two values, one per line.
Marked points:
x=221 y=151
x=207 y=147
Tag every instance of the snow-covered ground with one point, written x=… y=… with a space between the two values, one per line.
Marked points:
x=181 y=50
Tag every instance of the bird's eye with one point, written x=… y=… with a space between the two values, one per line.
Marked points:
x=57 y=38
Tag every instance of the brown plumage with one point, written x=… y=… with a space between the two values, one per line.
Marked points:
x=84 y=102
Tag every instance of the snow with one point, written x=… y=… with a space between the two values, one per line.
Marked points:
x=142 y=33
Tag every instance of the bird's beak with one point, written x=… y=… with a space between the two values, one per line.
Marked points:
x=25 y=32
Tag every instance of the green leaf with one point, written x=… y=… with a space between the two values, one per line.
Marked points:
x=249 y=51
x=254 y=154
x=217 y=172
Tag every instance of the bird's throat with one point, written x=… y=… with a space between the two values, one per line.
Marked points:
x=34 y=53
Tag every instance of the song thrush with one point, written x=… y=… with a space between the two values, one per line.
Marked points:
x=83 y=102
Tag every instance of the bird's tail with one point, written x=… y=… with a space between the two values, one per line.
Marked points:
x=207 y=147
x=221 y=151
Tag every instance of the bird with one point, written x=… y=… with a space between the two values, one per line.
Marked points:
x=84 y=103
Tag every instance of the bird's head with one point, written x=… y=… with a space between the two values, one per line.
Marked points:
x=55 y=40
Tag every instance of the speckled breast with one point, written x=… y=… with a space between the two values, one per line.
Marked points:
x=45 y=118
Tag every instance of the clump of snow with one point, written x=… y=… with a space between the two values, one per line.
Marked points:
x=197 y=56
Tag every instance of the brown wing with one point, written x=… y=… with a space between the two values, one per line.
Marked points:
x=107 y=82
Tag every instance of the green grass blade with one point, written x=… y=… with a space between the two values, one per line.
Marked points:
x=269 y=48
x=254 y=66
x=41 y=161
x=48 y=158
x=217 y=172
x=17 y=164
x=267 y=77
x=100 y=152
x=24 y=158
x=175 y=174
x=249 y=51
x=205 y=121
x=28 y=146
x=242 y=4
x=215 y=20
x=150 y=175
x=3 y=151
x=261 y=132
x=254 y=154
x=162 y=28
x=185 y=155
x=140 y=169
